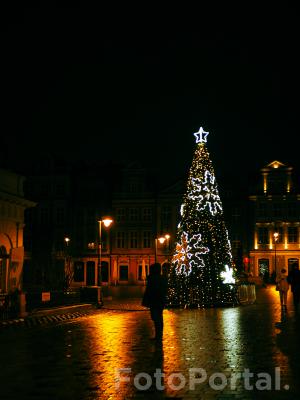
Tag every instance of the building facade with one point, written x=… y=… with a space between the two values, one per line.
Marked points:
x=12 y=207
x=276 y=217
x=71 y=200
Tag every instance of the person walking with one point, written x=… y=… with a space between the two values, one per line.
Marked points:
x=283 y=288
x=294 y=280
x=155 y=298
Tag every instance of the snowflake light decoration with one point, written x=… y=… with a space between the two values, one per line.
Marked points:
x=185 y=250
x=205 y=193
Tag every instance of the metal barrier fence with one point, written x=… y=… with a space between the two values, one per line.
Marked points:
x=246 y=293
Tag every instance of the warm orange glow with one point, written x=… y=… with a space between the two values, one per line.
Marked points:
x=167 y=236
x=107 y=222
x=265 y=184
x=105 y=345
x=275 y=234
x=161 y=239
x=67 y=240
x=275 y=165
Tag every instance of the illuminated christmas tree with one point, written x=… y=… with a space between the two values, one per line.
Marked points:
x=201 y=274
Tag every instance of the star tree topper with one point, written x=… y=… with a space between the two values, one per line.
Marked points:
x=201 y=135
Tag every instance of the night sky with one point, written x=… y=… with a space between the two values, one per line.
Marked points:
x=94 y=84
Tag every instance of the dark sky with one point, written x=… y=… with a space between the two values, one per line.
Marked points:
x=89 y=83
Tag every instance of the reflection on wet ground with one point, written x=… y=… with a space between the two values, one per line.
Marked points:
x=205 y=354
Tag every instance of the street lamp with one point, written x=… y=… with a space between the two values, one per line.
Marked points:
x=106 y=222
x=275 y=235
x=161 y=240
x=68 y=268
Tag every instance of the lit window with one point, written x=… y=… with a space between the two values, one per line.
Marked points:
x=263 y=235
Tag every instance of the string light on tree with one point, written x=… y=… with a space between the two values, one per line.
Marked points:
x=201 y=273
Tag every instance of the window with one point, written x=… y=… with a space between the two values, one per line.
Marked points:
x=80 y=217
x=78 y=271
x=263 y=267
x=280 y=235
x=120 y=214
x=292 y=234
x=146 y=239
x=91 y=234
x=91 y=216
x=123 y=273
x=133 y=214
x=292 y=210
x=277 y=210
x=133 y=240
x=263 y=235
x=235 y=244
x=262 y=209
x=166 y=215
x=60 y=215
x=147 y=214
x=140 y=270
x=60 y=189
x=44 y=189
x=44 y=215
x=133 y=187
x=121 y=240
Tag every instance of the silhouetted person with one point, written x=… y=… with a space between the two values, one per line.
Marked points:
x=283 y=287
x=155 y=298
x=294 y=280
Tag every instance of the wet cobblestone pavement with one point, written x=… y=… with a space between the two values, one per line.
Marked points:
x=83 y=358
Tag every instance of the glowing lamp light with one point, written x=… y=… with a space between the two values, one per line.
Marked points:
x=161 y=240
x=275 y=234
x=107 y=222
x=227 y=275
x=67 y=240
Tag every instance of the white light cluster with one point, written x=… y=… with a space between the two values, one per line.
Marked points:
x=185 y=250
x=205 y=193
x=227 y=275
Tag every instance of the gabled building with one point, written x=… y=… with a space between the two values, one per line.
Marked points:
x=276 y=221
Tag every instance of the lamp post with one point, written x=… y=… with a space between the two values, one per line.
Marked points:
x=106 y=222
x=161 y=240
x=275 y=235
x=68 y=271
x=167 y=236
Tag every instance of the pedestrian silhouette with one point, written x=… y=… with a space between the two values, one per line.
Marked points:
x=283 y=288
x=155 y=298
x=294 y=280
